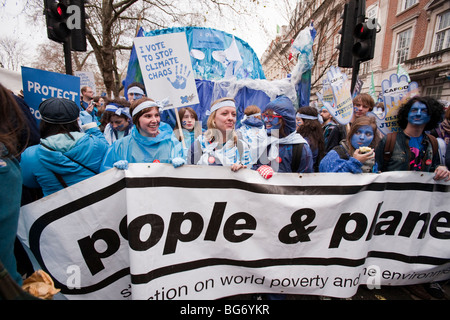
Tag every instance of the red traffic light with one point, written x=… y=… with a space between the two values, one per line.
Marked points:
x=362 y=31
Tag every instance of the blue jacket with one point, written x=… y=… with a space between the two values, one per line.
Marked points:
x=11 y=191
x=135 y=148
x=38 y=163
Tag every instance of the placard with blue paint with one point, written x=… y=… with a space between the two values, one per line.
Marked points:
x=39 y=85
x=166 y=69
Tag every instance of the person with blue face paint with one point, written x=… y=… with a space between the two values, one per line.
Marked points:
x=413 y=150
x=286 y=150
x=354 y=154
x=120 y=123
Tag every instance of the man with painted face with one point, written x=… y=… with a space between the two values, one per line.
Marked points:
x=413 y=149
x=354 y=154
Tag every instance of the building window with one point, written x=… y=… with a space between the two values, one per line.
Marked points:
x=434 y=92
x=403 y=45
x=406 y=4
x=442 y=32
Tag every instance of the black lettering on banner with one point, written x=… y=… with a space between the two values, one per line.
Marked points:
x=231 y=225
x=90 y=254
x=435 y=224
x=174 y=232
x=340 y=231
x=298 y=225
x=135 y=227
x=411 y=222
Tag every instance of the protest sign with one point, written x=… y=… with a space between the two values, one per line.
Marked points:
x=341 y=107
x=166 y=69
x=198 y=232
x=86 y=79
x=396 y=91
x=39 y=85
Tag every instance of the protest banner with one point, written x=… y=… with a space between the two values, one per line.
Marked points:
x=39 y=85
x=166 y=69
x=197 y=232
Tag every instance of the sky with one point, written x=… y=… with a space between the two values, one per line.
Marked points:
x=14 y=23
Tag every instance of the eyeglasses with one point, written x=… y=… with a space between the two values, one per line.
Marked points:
x=270 y=117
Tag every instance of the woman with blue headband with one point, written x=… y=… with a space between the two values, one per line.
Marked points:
x=120 y=123
x=150 y=140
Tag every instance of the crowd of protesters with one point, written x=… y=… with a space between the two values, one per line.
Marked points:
x=75 y=142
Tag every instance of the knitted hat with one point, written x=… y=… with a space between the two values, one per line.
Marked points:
x=59 y=111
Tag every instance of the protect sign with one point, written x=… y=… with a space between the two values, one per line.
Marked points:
x=39 y=85
x=196 y=232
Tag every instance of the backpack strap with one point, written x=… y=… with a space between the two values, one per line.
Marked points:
x=434 y=143
x=389 y=147
x=297 y=150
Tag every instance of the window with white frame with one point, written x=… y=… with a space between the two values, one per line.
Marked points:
x=406 y=4
x=442 y=36
x=403 y=45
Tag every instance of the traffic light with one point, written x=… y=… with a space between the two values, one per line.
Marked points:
x=364 y=46
x=345 y=47
x=78 y=32
x=56 y=18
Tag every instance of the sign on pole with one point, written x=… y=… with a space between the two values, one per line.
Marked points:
x=166 y=69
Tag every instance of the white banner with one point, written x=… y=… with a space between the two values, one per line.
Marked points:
x=199 y=232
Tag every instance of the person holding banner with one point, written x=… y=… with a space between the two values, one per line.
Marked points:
x=356 y=153
x=65 y=155
x=412 y=148
x=286 y=150
x=150 y=140
x=220 y=145
x=415 y=150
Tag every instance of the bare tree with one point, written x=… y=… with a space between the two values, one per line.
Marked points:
x=11 y=50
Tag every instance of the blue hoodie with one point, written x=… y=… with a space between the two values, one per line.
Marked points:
x=280 y=150
x=38 y=163
x=135 y=148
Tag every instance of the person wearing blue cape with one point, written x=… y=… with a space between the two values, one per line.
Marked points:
x=150 y=140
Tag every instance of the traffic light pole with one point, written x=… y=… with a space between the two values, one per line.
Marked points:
x=355 y=72
x=68 y=56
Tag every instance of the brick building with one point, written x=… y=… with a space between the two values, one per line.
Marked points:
x=412 y=33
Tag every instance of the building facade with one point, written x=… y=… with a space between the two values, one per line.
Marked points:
x=413 y=34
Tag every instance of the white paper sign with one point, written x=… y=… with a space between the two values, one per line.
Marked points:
x=166 y=69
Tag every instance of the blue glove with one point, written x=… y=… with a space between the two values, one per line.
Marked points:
x=85 y=117
x=121 y=165
x=178 y=162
